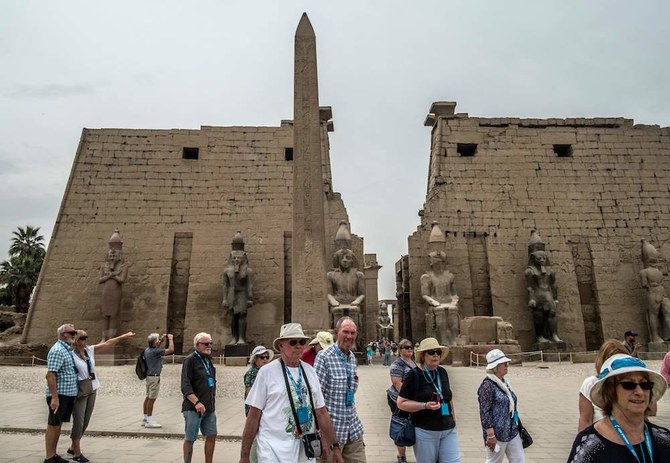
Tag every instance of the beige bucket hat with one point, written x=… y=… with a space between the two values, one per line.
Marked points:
x=290 y=331
x=430 y=344
x=323 y=338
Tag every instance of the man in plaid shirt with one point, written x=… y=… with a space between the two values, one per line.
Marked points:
x=336 y=369
x=62 y=389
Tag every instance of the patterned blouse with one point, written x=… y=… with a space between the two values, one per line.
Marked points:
x=591 y=447
x=494 y=411
x=249 y=378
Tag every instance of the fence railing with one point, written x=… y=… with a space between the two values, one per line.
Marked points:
x=554 y=357
x=33 y=360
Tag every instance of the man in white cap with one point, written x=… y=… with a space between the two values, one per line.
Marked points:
x=286 y=405
x=323 y=340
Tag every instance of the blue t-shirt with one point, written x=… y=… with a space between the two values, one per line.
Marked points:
x=154 y=357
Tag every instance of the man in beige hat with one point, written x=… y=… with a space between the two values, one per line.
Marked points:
x=285 y=404
x=323 y=340
x=336 y=368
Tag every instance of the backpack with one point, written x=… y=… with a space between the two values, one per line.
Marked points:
x=141 y=366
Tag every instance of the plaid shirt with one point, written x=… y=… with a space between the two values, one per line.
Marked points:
x=331 y=368
x=60 y=362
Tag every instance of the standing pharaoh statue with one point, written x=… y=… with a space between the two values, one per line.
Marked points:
x=438 y=291
x=658 y=305
x=384 y=324
x=113 y=273
x=238 y=289
x=346 y=284
x=542 y=291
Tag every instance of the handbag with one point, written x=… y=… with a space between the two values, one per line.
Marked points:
x=526 y=439
x=402 y=431
x=85 y=388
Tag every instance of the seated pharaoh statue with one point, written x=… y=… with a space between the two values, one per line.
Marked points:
x=658 y=305
x=346 y=284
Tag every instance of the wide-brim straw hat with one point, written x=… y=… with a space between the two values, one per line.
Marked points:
x=494 y=358
x=290 y=331
x=323 y=338
x=260 y=350
x=620 y=364
x=430 y=344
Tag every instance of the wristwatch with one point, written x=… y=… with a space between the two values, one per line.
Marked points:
x=335 y=445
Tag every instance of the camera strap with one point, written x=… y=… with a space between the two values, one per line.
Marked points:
x=290 y=398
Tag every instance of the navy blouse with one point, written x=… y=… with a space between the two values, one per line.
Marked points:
x=494 y=411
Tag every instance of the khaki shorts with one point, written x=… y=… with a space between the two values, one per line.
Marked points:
x=153 y=386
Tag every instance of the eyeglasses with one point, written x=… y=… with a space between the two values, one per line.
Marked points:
x=263 y=357
x=293 y=342
x=631 y=385
x=82 y=338
x=71 y=333
x=434 y=352
x=205 y=343
x=407 y=347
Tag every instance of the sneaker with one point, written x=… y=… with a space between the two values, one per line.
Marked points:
x=70 y=451
x=152 y=424
x=402 y=459
x=144 y=422
x=81 y=458
x=56 y=459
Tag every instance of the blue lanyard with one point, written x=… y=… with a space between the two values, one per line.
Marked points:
x=346 y=363
x=297 y=387
x=204 y=364
x=437 y=382
x=624 y=438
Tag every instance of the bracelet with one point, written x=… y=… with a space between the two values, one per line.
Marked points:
x=424 y=405
x=198 y=402
x=490 y=437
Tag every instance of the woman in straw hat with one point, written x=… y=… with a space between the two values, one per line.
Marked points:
x=625 y=389
x=425 y=392
x=497 y=412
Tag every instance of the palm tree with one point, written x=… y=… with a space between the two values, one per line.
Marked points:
x=21 y=271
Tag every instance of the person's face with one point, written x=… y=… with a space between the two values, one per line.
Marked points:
x=204 y=345
x=292 y=349
x=431 y=358
x=501 y=370
x=630 y=339
x=68 y=334
x=82 y=340
x=346 y=335
x=636 y=400
x=346 y=260
x=406 y=351
x=262 y=359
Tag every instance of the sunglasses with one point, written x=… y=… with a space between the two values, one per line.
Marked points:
x=631 y=385
x=433 y=352
x=205 y=343
x=263 y=357
x=71 y=333
x=83 y=338
x=407 y=347
x=293 y=342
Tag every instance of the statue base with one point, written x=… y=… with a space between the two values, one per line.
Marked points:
x=656 y=350
x=551 y=346
x=236 y=355
x=459 y=356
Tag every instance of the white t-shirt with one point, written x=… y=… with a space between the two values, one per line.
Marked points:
x=82 y=368
x=585 y=390
x=276 y=442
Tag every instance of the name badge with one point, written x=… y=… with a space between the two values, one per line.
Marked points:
x=445 y=409
x=303 y=414
x=210 y=382
x=350 y=399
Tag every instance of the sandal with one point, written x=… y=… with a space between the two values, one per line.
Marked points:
x=81 y=458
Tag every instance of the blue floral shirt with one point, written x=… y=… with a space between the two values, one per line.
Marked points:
x=494 y=411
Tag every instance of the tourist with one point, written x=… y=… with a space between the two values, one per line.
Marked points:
x=630 y=343
x=88 y=384
x=198 y=387
x=387 y=353
x=665 y=367
x=624 y=390
x=398 y=370
x=61 y=390
x=588 y=412
x=337 y=371
x=259 y=356
x=426 y=393
x=154 y=358
x=498 y=413
x=272 y=394
x=369 y=352
x=323 y=340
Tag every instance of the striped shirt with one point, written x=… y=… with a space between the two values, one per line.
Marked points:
x=60 y=362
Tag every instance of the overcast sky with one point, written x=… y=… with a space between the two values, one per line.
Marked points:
x=182 y=64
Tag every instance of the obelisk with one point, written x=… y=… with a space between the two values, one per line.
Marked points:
x=308 y=290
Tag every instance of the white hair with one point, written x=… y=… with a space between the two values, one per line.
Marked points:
x=152 y=338
x=61 y=329
x=199 y=336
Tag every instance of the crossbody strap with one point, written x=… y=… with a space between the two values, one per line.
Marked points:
x=290 y=398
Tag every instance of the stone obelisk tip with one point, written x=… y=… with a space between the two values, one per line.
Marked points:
x=304 y=26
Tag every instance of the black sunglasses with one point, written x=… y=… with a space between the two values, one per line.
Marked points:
x=407 y=347
x=434 y=352
x=293 y=342
x=71 y=333
x=631 y=385
x=263 y=357
x=83 y=338
x=205 y=343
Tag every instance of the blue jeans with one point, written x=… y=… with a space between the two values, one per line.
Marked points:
x=437 y=446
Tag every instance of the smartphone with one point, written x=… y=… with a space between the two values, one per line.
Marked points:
x=496 y=449
x=436 y=398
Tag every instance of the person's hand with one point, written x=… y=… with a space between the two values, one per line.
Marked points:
x=433 y=405
x=200 y=408
x=337 y=456
x=54 y=403
x=129 y=334
x=491 y=442
x=170 y=336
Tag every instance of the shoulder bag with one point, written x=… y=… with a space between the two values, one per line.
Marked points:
x=526 y=439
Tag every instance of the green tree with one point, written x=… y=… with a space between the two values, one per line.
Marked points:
x=20 y=272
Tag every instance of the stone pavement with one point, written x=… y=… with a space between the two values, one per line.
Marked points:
x=547 y=405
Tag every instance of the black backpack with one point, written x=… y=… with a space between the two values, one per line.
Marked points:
x=141 y=366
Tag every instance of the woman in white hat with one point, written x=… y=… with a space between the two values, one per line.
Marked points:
x=625 y=389
x=426 y=393
x=497 y=412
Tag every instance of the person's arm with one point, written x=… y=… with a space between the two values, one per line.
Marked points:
x=328 y=434
x=51 y=384
x=585 y=413
x=485 y=397
x=106 y=346
x=170 y=348
x=250 y=430
x=397 y=382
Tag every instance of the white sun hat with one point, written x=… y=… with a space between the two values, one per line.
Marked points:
x=494 y=358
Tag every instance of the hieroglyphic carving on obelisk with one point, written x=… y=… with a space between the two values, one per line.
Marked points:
x=308 y=293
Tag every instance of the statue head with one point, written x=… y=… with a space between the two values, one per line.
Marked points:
x=344 y=259
x=438 y=260
x=539 y=259
x=238 y=260
x=114 y=256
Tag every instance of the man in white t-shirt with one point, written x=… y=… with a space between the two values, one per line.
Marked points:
x=271 y=418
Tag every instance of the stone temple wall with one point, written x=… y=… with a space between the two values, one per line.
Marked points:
x=592 y=187
x=177 y=218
